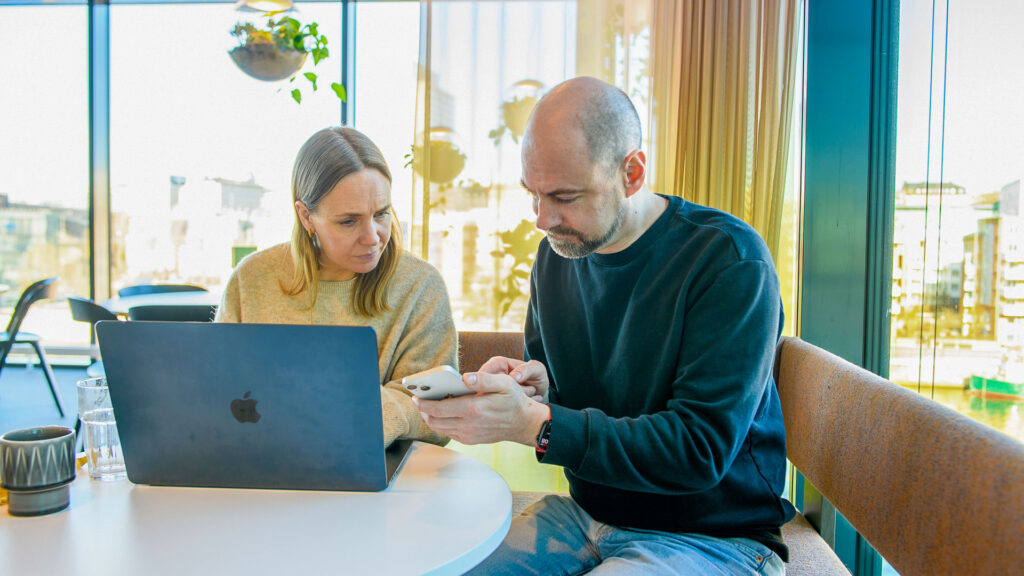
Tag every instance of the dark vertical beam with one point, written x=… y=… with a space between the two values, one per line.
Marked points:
x=881 y=184
x=348 y=61
x=833 y=292
x=99 y=149
x=852 y=49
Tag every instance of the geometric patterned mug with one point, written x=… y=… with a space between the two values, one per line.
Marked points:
x=36 y=466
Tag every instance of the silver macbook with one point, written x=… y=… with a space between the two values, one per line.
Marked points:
x=248 y=405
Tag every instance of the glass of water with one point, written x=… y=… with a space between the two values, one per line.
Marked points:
x=102 y=446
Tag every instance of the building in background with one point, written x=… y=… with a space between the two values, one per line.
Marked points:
x=1010 y=267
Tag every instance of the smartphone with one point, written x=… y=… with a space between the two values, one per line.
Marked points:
x=436 y=384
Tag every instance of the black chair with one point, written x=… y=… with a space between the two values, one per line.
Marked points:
x=41 y=290
x=85 y=310
x=157 y=288
x=174 y=313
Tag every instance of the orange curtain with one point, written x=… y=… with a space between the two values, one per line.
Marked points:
x=723 y=76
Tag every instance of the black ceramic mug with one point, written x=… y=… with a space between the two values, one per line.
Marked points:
x=36 y=466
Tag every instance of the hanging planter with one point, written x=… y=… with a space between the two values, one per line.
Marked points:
x=267 y=61
x=273 y=45
x=446 y=159
x=516 y=109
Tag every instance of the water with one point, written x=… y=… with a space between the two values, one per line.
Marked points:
x=103 y=447
x=1003 y=414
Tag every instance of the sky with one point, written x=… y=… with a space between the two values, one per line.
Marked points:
x=984 y=96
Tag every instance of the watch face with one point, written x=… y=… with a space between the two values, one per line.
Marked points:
x=543 y=438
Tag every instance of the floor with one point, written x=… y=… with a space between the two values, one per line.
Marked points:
x=25 y=399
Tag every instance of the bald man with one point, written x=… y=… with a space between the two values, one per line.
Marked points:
x=650 y=338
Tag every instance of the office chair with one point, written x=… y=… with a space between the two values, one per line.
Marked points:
x=174 y=313
x=155 y=288
x=41 y=290
x=85 y=310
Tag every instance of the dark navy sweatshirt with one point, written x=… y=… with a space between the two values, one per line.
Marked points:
x=664 y=412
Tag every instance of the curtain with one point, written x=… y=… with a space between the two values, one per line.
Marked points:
x=723 y=89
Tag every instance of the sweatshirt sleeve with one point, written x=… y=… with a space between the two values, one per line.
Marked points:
x=725 y=360
x=430 y=340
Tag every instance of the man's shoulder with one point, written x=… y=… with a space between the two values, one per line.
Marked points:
x=710 y=227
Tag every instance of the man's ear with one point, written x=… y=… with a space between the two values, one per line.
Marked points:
x=634 y=169
x=304 y=217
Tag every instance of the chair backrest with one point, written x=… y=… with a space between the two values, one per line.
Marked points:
x=475 y=348
x=174 y=313
x=157 y=288
x=932 y=490
x=85 y=310
x=41 y=290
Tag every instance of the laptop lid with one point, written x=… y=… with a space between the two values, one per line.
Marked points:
x=248 y=405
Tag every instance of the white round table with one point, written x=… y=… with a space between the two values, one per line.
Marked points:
x=443 y=514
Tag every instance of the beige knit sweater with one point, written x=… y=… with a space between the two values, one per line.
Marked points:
x=418 y=332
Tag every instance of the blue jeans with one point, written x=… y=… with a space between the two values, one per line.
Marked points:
x=555 y=536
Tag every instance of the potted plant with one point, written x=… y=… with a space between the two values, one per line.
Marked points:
x=446 y=158
x=516 y=109
x=275 y=45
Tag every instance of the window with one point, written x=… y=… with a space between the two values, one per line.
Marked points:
x=958 y=274
x=201 y=153
x=44 y=192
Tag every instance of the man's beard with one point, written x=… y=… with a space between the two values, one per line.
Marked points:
x=582 y=246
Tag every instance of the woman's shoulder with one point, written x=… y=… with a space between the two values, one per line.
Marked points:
x=273 y=257
x=414 y=271
x=274 y=261
x=412 y=265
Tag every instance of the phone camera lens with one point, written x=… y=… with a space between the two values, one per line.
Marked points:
x=410 y=386
x=425 y=388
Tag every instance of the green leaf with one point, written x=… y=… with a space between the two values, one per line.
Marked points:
x=312 y=28
x=298 y=44
x=318 y=55
x=312 y=78
x=297 y=95
x=340 y=91
x=323 y=40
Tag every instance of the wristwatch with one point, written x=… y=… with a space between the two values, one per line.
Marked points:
x=544 y=437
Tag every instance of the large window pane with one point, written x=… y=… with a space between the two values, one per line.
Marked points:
x=958 y=261
x=387 y=40
x=201 y=153
x=44 y=188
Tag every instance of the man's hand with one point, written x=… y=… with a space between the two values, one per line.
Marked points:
x=532 y=375
x=500 y=410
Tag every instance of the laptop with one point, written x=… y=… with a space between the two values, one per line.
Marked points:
x=248 y=405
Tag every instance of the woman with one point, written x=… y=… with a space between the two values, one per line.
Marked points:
x=345 y=266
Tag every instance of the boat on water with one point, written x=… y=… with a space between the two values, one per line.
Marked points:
x=1009 y=380
x=996 y=388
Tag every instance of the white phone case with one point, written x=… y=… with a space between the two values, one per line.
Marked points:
x=436 y=384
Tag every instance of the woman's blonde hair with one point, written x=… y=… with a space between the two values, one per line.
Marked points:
x=328 y=156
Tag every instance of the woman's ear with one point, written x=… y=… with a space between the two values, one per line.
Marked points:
x=304 y=216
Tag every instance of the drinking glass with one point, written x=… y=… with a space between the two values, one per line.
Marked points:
x=102 y=446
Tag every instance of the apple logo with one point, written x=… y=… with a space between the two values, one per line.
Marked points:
x=244 y=409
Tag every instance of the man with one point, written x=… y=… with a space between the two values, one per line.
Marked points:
x=650 y=338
